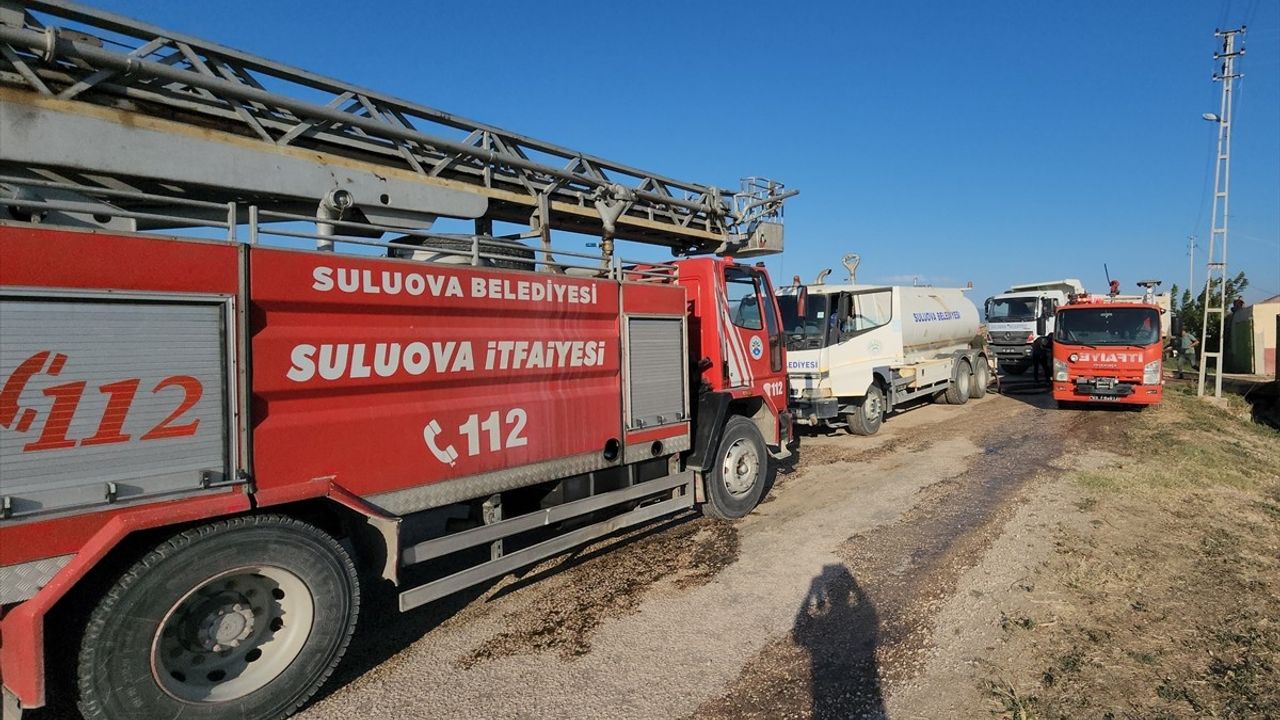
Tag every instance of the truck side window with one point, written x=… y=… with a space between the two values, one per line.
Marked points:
x=867 y=311
x=744 y=298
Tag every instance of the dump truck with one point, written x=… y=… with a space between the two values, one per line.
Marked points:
x=1019 y=316
x=1109 y=349
x=857 y=352
x=244 y=375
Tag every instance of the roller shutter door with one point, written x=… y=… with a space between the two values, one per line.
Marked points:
x=103 y=397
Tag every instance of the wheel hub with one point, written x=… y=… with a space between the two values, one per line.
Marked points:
x=873 y=406
x=226 y=627
x=232 y=635
x=739 y=468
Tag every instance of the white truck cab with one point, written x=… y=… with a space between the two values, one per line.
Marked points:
x=1019 y=315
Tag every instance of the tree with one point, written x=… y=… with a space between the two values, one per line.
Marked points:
x=1192 y=313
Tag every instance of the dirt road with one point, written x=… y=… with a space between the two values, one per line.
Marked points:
x=1000 y=559
x=820 y=604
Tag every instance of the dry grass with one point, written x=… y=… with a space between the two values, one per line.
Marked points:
x=1164 y=585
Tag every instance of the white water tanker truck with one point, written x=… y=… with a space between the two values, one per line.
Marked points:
x=856 y=352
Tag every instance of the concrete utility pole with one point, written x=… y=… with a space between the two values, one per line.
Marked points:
x=1215 y=299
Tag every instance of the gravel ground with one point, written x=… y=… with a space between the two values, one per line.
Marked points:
x=820 y=604
x=824 y=603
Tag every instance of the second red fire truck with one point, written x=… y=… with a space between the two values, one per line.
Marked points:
x=1109 y=350
x=210 y=439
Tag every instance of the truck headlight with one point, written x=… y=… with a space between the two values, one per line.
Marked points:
x=1151 y=373
x=1059 y=370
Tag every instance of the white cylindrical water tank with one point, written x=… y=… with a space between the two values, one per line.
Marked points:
x=935 y=321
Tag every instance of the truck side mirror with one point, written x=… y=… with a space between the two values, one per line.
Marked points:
x=1042 y=326
x=986 y=307
x=1175 y=326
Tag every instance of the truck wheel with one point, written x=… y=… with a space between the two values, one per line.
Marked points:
x=1013 y=369
x=981 y=379
x=735 y=484
x=958 y=390
x=869 y=415
x=241 y=618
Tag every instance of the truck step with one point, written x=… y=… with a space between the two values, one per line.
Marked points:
x=498 y=567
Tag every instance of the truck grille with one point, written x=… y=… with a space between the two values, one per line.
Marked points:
x=1009 y=336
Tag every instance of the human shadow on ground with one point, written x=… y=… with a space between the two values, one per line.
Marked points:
x=837 y=626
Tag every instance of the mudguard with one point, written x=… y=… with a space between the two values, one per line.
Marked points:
x=708 y=424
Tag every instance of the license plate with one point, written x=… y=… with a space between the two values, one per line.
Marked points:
x=1108 y=398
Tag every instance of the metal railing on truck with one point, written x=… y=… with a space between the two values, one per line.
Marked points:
x=263 y=224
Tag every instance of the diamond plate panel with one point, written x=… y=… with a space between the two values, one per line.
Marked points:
x=22 y=581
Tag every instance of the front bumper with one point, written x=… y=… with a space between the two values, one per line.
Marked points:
x=811 y=411
x=1012 y=354
x=1098 y=390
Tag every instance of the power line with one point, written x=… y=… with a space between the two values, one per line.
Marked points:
x=1204 y=185
x=1250 y=13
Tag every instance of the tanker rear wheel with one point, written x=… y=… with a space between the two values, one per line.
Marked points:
x=736 y=482
x=981 y=379
x=958 y=391
x=242 y=618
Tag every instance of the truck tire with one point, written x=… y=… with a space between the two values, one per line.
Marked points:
x=240 y=618
x=958 y=391
x=869 y=415
x=981 y=379
x=1014 y=369
x=737 y=479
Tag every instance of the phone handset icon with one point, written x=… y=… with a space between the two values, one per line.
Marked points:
x=11 y=415
x=444 y=455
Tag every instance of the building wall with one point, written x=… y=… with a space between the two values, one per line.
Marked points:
x=1252 y=346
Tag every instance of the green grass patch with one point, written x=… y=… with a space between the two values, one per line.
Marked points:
x=1189 y=443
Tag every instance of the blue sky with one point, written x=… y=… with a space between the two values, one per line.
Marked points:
x=996 y=142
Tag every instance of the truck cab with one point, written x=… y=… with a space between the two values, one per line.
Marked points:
x=1020 y=315
x=1106 y=351
x=736 y=341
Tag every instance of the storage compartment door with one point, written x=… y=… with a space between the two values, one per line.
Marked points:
x=105 y=401
x=656 y=372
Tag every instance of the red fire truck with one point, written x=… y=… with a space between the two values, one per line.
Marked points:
x=211 y=438
x=1109 y=350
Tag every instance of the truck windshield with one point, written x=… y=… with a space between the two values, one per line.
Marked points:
x=806 y=326
x=1011 y=309
x=1108 y=326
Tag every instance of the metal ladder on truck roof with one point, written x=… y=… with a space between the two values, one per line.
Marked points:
x=90 y=98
